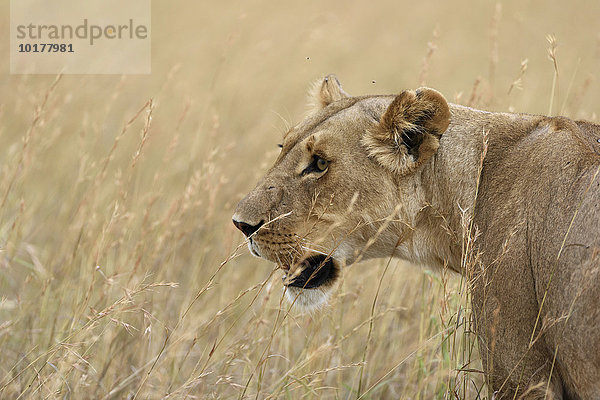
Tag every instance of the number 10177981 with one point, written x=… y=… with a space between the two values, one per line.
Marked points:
x=46 y=48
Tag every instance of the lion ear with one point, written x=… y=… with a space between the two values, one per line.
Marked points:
x=409 y=131
x=325 y=91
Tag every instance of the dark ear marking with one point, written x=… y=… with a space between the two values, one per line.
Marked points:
x=412 y=139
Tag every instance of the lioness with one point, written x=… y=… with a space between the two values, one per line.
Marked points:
x=510 y=200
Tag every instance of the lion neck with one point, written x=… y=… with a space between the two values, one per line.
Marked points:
x=446 y=188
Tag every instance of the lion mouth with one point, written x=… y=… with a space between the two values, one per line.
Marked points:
x=315 y=271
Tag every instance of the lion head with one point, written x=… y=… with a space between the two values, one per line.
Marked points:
x=334 y=195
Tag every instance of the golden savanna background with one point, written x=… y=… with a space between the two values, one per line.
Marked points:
x=121 y=274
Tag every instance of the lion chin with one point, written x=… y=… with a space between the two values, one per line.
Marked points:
x=310 y=286
x=308 y=300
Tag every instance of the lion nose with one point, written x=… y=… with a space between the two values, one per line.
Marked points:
x=247 y=229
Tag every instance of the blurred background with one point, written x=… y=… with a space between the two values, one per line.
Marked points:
x=121 y=275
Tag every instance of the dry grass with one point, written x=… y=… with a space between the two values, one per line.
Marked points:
x=121 y=275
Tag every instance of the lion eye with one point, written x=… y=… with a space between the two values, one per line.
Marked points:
x=318 y=164
x=321 y=164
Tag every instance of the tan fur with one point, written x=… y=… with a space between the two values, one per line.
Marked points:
x=405 y=176
x=325 y=91
x=424 y=112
